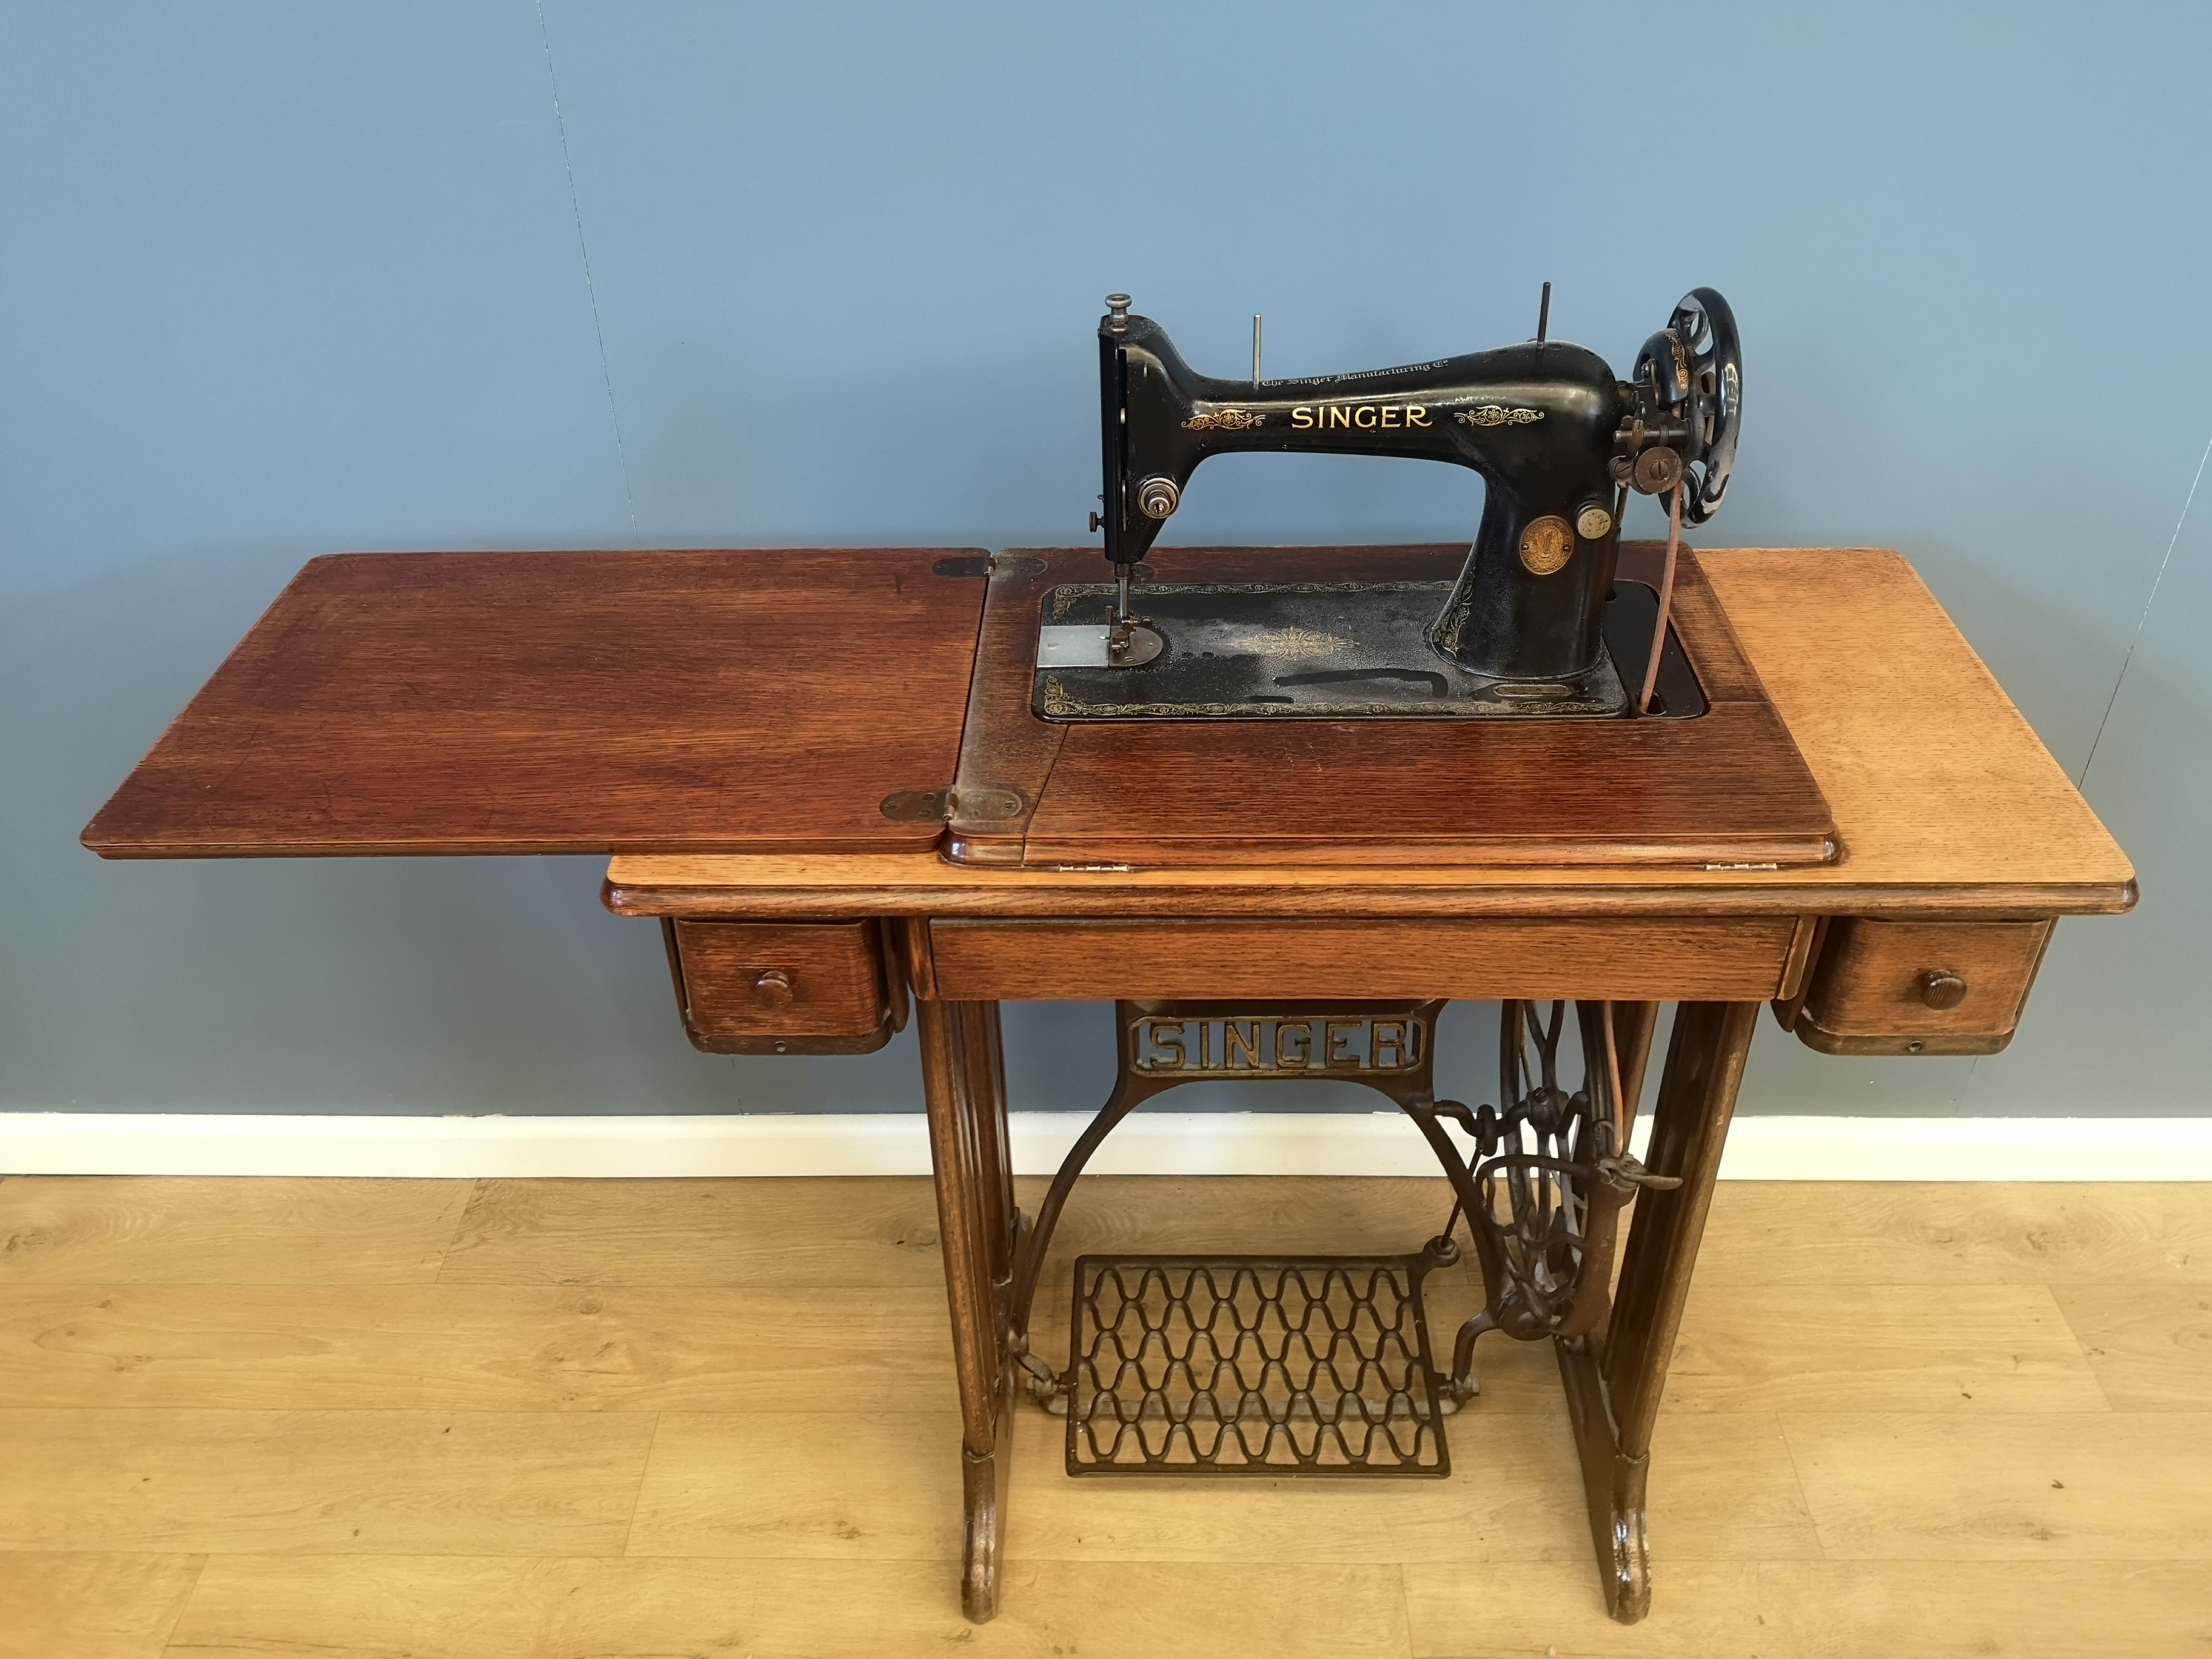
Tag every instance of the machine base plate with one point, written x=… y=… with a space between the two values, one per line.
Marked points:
x=1328 y=651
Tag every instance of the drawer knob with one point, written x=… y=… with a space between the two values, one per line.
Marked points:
x=1941 y=988
x=774 y=988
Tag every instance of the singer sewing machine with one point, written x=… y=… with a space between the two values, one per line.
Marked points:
x=1558 y=441
x=1277 y=804
x=1438 y=677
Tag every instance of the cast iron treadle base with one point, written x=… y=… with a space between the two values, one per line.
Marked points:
x=1246 y=1364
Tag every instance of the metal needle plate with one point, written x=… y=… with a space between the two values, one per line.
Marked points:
x=1086 y=645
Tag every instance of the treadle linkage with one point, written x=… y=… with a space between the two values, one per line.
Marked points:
x=1254 y=1366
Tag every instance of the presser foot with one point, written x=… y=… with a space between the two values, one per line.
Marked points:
x=1130 y=643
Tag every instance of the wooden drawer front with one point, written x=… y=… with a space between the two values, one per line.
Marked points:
x=1871 y=990
x=1725 y=959
x=752 y=980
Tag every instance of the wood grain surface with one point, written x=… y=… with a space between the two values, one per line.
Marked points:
x=1945 y=800
x=91 y=1606
x=2150 y=1346
x=159 y=1230
x=1822 y=1610
x=568 y=702
x=168 y=1480
x=1737 y=959
x=882 y=1231
x=1904 y=1417
x=1872 y=977
x=463 y=1348
x=648 y=1607
x=718 y=1487
x=828 y=978
x=2019 y=1486
x=672 y=705
x=1908 y=1232
x=1946 y=1348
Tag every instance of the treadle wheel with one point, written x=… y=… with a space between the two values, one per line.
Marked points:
x=1253 y=1365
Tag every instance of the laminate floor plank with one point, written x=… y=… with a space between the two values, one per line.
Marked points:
x=1722 y=1486
x=2016 y=1486
x=1817 y=1610
x=635 y=1419
x=1899 y=1348
x=252 y=1607
x=756 y=1233
x=1244 y=1215
x=322 y=1482
x=883 y=1229
x=1968 y=1232
x=473 y=1348
x=195 y=1229
x=2150 y=1346
x=888 y=1488
x=91 y=1607
x=879 y=1486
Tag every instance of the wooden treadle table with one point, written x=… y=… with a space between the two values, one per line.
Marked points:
x=779 y=749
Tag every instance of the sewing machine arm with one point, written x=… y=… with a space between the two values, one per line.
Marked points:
x=1556 y=437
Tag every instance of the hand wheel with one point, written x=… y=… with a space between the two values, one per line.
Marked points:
x=1706 y=328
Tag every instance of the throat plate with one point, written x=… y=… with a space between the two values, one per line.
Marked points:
x=1328 y=651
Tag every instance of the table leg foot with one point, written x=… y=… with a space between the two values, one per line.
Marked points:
x=983 y=1505
x=1612 y=1486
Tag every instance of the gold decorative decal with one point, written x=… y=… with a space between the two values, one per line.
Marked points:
x=1547 y=544
x=1224 y=419
x=1292 y=642
x=1498 y=415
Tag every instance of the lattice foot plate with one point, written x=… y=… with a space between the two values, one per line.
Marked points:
x=1253 y=1365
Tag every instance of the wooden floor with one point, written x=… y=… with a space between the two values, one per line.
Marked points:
x=657 y=1419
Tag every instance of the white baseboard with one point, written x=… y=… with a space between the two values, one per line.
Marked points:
x=1150 y=1143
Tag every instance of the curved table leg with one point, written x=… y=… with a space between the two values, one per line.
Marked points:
x=983 y=1511
x=1613 y=1383
x=966 y=1109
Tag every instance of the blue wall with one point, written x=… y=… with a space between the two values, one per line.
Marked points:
x=279 y=280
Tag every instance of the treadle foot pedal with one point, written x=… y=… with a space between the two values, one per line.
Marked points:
x=1253 y=1365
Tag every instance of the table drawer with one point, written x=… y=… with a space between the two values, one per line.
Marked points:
x=1721 y=959
x=1920 y=988
x=752 y=987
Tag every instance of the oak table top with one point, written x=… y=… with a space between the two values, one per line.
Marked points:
x=569 y=703
x=1945 y=800
x=670 y=707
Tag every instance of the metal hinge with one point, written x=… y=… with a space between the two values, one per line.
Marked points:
x=943 y=805
x=997 y=564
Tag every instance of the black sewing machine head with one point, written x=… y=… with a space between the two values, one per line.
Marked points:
x=1558 y=439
